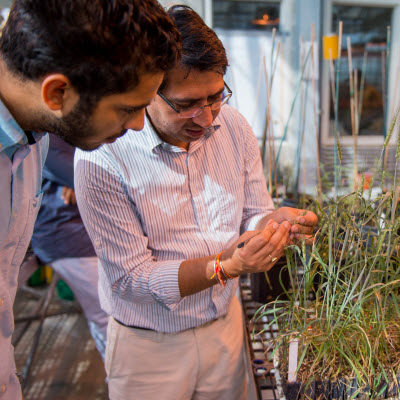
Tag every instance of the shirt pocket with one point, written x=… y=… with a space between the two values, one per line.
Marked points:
x=26 y=235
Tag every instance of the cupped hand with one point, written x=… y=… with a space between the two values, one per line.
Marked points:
x=261 y=249
x=303 y=222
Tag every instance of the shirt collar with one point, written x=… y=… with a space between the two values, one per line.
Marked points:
x=156 y=142
x=11 y=134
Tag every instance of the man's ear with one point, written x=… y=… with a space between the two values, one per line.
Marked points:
x=58 y=94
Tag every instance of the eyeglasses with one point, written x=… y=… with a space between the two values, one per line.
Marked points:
x=193 y=112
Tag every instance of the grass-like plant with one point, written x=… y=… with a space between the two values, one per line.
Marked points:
x=344 y=307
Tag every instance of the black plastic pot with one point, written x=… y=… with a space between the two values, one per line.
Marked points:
x=263 y=291
x=336 y=390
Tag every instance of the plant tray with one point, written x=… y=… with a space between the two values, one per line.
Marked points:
x=342 y=389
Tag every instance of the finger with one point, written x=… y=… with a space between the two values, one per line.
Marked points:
x=302 y=229
x=271 y=238
x=275 y=256
x=265 y=236
x=279 y=249
x=307 y=218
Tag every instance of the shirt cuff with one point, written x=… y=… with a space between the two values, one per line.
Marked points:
x=163 y=283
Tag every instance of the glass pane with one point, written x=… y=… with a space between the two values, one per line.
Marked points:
x=367 y=29
x=249 y=15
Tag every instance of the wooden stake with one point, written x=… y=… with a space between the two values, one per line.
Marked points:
x=386 y=96
x=356 y=106
x=383 y=63
x=303 y=118
x=267 y=118
x=315 y=114
x=353 y=110
x=333 y=80
x=337 y=108
x=275 y=62
x=361 y=96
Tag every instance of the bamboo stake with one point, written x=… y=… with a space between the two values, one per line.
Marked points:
x=388 y=42
x=357 y=125
x=304 y=162
x=264 y=137
x=386 y=93
x=290 y=112
x=275 y=63
x=275 y=175
x=272 y=52
x=383 y=62
x=319 y=194
x=364 y=68
x=267 y=126
x=270 y=128
x=333 y=79
x=271 y=160
x=337 y=107
x=356 y=120
x=352 y=110
x=303 y=118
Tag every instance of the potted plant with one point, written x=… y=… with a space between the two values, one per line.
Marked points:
x=339 y=323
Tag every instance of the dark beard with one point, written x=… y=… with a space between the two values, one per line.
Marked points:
x=75 y=127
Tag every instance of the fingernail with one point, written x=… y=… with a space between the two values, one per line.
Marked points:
x=291 y=236
x=275 y=225
x=302 y=221
x=286 y=225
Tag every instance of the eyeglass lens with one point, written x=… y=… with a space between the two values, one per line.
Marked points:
x=194 y=112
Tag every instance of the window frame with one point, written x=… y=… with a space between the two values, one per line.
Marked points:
x=393 y=100
x=279 y=2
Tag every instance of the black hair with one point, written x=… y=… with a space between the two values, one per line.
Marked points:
x=101 y=46
x=201 y=48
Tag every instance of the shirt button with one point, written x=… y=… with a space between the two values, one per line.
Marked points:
x=2 y=388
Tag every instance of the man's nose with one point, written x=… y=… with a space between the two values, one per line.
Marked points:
x=205 y=119
x=136 y=123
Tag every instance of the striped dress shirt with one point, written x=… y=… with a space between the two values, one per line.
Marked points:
x=149 y=205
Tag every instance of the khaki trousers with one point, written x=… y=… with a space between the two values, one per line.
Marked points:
x=203 y=363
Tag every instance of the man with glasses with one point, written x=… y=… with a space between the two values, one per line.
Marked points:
x=168 y=210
